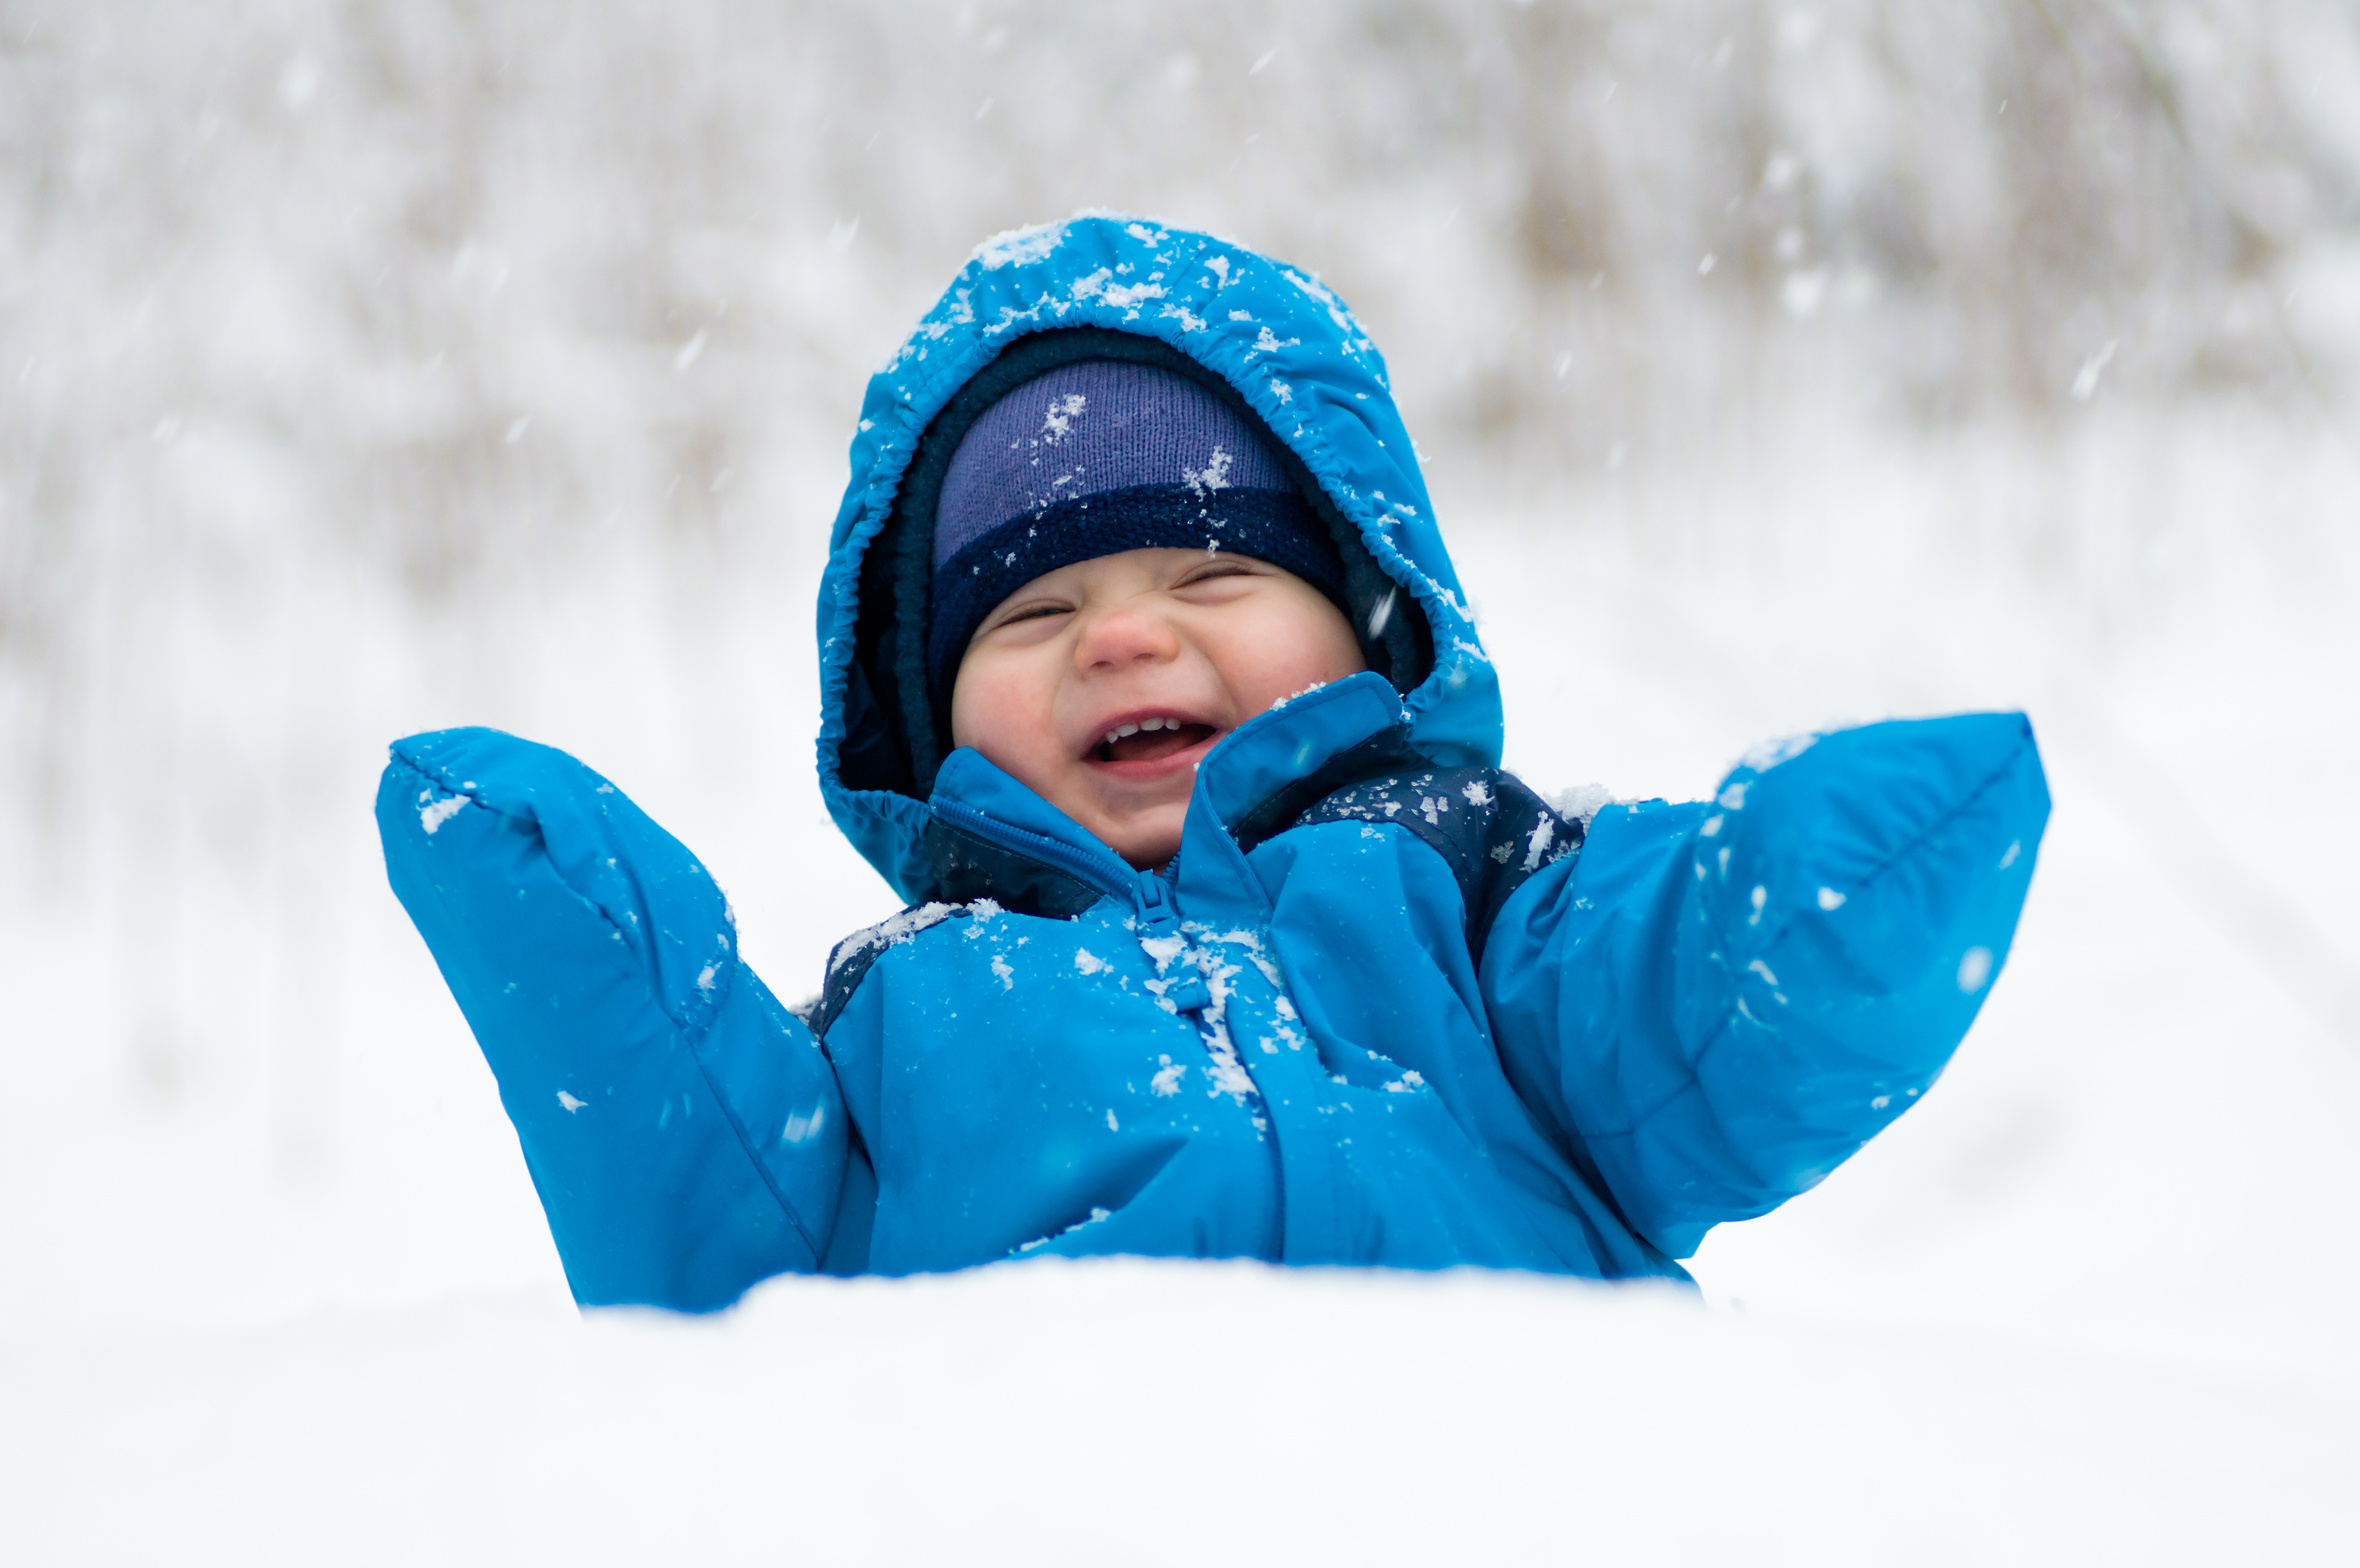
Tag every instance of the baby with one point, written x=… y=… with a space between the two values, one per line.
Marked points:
x=1148 y=685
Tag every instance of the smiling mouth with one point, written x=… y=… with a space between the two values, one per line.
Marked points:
x=1149 y=740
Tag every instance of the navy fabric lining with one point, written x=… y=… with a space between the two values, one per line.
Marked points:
x=1494 y=832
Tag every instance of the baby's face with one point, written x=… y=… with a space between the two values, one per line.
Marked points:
x=1102 y=684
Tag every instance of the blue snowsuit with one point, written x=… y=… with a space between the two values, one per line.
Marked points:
x=1385 y=1007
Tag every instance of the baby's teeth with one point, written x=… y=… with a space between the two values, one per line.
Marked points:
x=1159 y=723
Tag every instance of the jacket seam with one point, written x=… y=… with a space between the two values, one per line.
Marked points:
x=1982 y=788
x=737 y=1127
x=1692 y=1075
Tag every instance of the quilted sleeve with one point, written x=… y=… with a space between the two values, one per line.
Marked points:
x=683 y=1129
x=1713 y=1005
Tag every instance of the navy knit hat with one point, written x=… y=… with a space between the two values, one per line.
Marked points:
x=1095 y=457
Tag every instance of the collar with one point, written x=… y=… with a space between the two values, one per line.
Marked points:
x=1261 y=776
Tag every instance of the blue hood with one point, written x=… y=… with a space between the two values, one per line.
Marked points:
x=1276 y=335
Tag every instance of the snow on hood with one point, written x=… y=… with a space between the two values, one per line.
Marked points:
x=1275 y=333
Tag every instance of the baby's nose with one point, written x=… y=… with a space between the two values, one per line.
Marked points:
x=1126 y=634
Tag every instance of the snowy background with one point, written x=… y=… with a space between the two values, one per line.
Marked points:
x=374 y=367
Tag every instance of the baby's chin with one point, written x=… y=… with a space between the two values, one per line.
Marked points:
x=1147 y=837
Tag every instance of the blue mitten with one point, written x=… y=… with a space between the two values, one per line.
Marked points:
x=683 y=1129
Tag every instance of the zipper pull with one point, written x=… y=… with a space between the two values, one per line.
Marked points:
x=1165 y=942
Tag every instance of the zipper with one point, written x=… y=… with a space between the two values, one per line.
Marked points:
x=1188 y=993
x=1149 y=892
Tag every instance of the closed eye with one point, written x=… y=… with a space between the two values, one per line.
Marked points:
x=1029 y=612
x=1216 y=570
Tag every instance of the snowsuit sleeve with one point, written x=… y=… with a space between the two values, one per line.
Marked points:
x=683 y=1129
x=1713 y=1005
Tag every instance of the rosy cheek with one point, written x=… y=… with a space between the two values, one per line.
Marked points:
x=980 y=706
x=1003 y=707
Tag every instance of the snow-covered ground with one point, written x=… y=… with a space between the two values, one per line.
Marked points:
x=310 y=462
x=1135 y=1412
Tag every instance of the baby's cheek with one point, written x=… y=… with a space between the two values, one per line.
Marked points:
x=987 y=696
x=1002 y=707
x=1287 y=654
